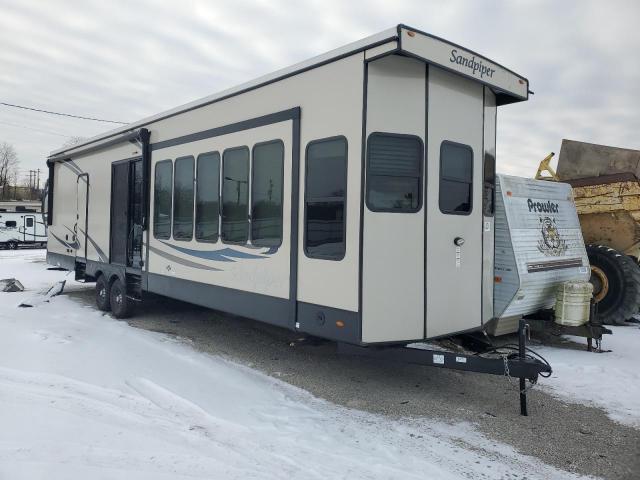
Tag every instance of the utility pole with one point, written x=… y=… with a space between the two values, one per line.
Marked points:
x=38 y=188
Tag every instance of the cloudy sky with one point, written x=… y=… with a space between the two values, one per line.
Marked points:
x=124 y=60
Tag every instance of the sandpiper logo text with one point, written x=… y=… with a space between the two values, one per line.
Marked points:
x=470 y=63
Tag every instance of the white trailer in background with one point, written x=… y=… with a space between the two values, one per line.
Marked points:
x=22 y=227
x=350 y=196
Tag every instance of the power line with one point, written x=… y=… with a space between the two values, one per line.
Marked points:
x=61 y=114
x=35 y=129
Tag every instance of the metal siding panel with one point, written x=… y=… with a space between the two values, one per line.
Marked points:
x=536 y=290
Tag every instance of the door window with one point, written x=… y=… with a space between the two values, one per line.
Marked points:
x=29 y=221
x=456 y=178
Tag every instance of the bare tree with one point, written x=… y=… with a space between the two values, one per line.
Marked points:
x=8 y=166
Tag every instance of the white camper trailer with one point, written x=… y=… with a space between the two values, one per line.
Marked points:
x=350 y=196
x=22 y=227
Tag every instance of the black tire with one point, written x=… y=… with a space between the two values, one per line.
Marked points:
x=103 y=294
x=616 y=282
x=12 y=245
x=121 y=306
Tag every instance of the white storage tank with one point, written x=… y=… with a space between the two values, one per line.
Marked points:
x=573 y=303
x=538 y=244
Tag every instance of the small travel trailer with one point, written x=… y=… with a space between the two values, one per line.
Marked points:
x=21 y=226
x=350 y=196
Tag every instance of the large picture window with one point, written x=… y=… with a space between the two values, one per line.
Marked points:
x=456 y=178
x=207 y=197
x=266 y=193
x=394 y=173
x=183 y=199
x=235 y=195
x=163 y=182
x=325 y=195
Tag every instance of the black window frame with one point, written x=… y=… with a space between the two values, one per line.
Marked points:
x=441 y=177
x=222 y=177
x=420 y=177
x=173 y=200
x=306 y=197
x=252 y=160
x=195 y=197
x=489 y=185
x=155 y=170
x=27 y=220
x=13 y=223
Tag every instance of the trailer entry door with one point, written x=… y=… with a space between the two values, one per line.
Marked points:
x=126 y=213
x=454 y=204
x=82 y=206
x=29 y=228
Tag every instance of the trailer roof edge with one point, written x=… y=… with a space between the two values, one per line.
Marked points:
x=381 y=38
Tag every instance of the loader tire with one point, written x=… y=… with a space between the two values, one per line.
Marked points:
x=616 y=284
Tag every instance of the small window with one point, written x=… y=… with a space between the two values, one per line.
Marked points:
x=325 y=195
x=489 y=185
x=29 y=221
x=208 y=197
x=266 y=193
x=162 y=200
x=235 y=195
x=10 y=224
x=183 y=199
x=456 y=178
x=394 y=173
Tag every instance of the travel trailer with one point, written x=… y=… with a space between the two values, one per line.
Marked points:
x=350 y=196
x=22 y=226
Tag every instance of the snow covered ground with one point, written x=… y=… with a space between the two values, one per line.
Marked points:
x=609 y=380
x=85 y=396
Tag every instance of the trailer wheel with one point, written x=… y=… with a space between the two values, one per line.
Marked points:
x=103 y=300
x=120 y=305
x=616 y=284
x=12 y=245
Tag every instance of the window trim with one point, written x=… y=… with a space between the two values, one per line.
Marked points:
x=489 y=185
x=173 y=202
x=252 y=160
x=420 y=177
x=306 y=198
x=246 y=241
x=195 y=198
x=440 y=178
x=155 y=170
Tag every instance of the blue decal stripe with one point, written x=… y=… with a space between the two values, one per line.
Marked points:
x=222 y=255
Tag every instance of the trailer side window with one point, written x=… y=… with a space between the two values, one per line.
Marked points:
x=208 y=197
x=235 y=195
x=162 y=199
x=10 y=224
x=394 y=173
x=325 y=195
x=266 y=193
x=489 y=181
x=183 y=199
x=456 y=178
